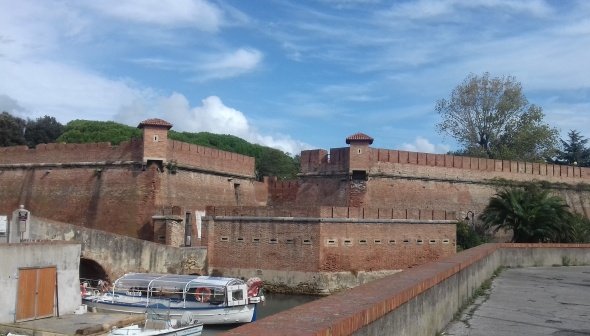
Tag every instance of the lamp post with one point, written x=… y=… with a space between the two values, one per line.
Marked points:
x=470 y=219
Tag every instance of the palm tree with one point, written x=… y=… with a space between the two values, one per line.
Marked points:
x=531 y=213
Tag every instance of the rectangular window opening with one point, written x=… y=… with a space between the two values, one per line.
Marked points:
x=432 y=241
x=256 y=240
x=240 y=240
x=224 y=239
x=406 y=241
x=273 y=240
x=348 y=242
x=363 y=242
x=419 y=241
x=331 y=242
x=392 y=241
x=377 y=241
x=445 y=241
x=289 y=241
x=306 y=241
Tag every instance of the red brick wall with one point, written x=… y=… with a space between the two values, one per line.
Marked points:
x=266 y=253
x=119 y=199
x=69 y=153
x=356 y=246
x=155 y=143
x=210 y=159
x=314 y=246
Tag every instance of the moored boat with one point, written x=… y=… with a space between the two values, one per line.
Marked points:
x=211 y=300
x=158 y=325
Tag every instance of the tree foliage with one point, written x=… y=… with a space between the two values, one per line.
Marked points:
x=42 y=130
x=574 y=151
x=532 y=213
x=490 y=117
x=11 y=130
x=88 y=131
x=269 y=161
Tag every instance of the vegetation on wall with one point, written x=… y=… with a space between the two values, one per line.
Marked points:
x=16 y=131
x=534 y=216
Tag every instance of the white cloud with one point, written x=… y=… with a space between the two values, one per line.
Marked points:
x=169 y=13
x=427 y=9
x=422 y=145
x=211 y=116
x=229 y=65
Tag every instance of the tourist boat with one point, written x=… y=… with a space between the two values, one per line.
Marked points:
x=211 y=300
x=157 y=324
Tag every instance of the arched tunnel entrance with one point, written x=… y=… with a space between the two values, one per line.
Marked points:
x=91 y=270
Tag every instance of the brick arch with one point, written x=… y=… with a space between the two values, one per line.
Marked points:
x=91 y=269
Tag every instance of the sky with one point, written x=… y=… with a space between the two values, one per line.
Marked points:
x=290 y=74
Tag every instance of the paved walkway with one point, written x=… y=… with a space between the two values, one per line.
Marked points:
x=85 y=324
x=530 y=301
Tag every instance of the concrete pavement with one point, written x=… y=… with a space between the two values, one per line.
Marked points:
x=530 y=301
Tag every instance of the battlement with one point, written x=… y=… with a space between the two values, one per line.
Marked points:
x=332 y=212
x=210 y=159
x=72 y=153
x=338 y=161
x=540 y=170
x=319 y=161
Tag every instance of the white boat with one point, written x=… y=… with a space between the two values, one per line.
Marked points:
x=156 y=324
x=211 y=300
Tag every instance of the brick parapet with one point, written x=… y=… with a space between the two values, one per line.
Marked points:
x=72 y=153
x=210 y=159
x=333 y=212
x=319 y=162
x=349 y=312
x=478 y=168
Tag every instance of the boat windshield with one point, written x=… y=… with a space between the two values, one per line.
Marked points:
x=189 y=287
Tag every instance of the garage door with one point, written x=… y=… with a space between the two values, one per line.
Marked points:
x=36 y=293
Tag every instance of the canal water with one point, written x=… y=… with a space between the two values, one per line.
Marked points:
x=274 y=303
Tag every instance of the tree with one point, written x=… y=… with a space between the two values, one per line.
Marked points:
x=42 y=130
x=531 y=213
x=491 y=117
x=574 y=151
x=11 y=130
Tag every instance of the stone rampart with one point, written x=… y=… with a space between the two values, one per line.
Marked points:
x=119 y=254
x=419 y=301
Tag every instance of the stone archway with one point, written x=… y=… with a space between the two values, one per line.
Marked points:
x=91 y=270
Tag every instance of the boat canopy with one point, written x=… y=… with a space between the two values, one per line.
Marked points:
x=171 y=282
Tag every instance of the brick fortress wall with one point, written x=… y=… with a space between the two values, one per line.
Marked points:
x=403 y=179
x=111 y=188
x=301 y=247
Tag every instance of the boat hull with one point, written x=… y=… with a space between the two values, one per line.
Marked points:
x=135 y=330
x=206 y=315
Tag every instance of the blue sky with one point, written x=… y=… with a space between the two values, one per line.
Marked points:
x=290 y=74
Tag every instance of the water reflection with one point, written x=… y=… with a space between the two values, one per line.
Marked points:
x=274 y=303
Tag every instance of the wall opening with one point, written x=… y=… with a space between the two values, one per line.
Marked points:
x=359 y=175
x=91 y=270
x=237 y=193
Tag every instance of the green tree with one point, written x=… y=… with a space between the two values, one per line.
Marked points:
x=574 y=151
x=580 y=229
x=42 y=130
x=87 y=131
x=11 y=130
x=490 y=117
x=467 y=237
x=533 y=215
